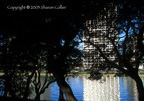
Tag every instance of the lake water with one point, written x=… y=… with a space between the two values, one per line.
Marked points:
x=105 y=89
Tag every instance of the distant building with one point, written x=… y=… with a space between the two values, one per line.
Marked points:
x=97 y=31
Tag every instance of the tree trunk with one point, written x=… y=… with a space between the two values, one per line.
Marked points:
x=65 y=88
x=61 y=98
x=8 y=87
x=140 y=87
x=37 y=98
x=26 y=94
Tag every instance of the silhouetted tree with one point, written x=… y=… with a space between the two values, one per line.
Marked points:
x=128 y=29
x=55 y=29
x=25 y=51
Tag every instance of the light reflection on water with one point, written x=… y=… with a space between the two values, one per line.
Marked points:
x=127 y=89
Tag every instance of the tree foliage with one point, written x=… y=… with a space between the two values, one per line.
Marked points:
x=35 y=39
x=128 y=33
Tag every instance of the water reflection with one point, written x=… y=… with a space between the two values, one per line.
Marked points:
x=128 y=90
x=106 y=89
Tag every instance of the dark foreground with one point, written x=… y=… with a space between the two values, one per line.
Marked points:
x=12 y=99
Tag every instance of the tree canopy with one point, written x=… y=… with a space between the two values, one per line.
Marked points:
x=33 y=37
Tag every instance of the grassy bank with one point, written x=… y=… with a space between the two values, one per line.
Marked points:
x=87 y=74
x=104 y=74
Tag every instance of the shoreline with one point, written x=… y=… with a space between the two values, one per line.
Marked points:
x=87 y=74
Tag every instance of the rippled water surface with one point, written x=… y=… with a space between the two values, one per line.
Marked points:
x=127 y=89
x=106 y=89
